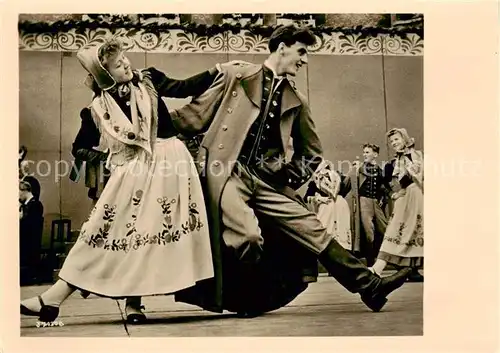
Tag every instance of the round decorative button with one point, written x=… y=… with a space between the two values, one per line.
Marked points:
x=229 y=110
x=106 y=116
x=221 y=146
x=131 y=136
x=202 y=164
x=234 y=93
x=224 y=127
x=238 y=75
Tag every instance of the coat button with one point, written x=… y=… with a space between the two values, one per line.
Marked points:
x=131 y=136
x=229 y=110
x=221 y=146
x=224 y=127
x=238 y=75
x=234 y=93
x=271 y=115
x=202 y=164
x=106 y=116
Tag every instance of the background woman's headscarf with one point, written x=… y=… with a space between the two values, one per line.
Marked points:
x=409 y=142
x=327 y=179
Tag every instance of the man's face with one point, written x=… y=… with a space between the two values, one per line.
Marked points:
x=291 y=58
x=369 y=155
x=23 y=195
x=119 y=67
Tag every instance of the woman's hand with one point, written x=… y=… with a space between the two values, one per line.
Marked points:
x=322 y=199
x=398 y=194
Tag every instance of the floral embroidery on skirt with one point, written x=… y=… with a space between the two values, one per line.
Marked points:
x=404 y=237
x=148 y=233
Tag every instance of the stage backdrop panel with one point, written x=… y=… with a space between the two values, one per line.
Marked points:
x=405 y=94
x=40 y=101
x=347 y=103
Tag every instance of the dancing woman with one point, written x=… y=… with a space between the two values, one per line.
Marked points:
x=148 y=232
x=325 y=196
x=403 y=243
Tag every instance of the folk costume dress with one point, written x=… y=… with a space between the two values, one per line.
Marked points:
x=148 y=232
x=334 y=214
x=403 y=242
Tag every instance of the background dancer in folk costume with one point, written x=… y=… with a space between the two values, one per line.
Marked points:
x=30 y=233
x=369 y=191
x=26 y=175
x=148 y=232
x=88 y=150
x=403 y=243
x=249 y=116
x=325 y=197
x=30 y=221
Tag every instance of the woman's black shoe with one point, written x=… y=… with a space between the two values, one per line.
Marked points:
x=135 y=316
x=47 y=313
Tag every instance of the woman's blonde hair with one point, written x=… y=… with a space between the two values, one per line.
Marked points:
x=409 y=141
x=109 y=50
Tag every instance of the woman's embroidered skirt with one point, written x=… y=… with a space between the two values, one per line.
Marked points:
x=403 y=242
x=148 y=233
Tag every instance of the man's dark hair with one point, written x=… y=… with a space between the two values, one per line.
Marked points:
x=372 y=146
x=290 y=35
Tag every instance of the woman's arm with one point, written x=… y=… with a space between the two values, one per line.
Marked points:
x=192 y=86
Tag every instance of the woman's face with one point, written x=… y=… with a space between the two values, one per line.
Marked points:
x=396 y=142
x=119 y=67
